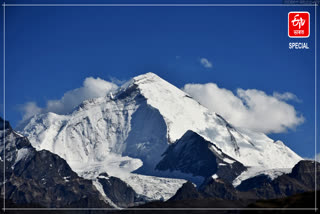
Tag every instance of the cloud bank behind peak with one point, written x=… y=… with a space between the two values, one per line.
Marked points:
x=252 y=109
x=92 y=88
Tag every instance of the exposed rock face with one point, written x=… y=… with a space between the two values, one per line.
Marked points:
x=187 y=191
x=218 y=188
x=211 y=188
x=304 y=171
x=194 y=155
x=118 y=191
x=41 y=177
x=301 y=179
x=259 y=185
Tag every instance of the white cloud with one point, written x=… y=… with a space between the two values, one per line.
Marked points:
x=286 y=96
x=205 y=63
x=29 y=109
x=117 y=81
x=252 y=109
x=91 y=88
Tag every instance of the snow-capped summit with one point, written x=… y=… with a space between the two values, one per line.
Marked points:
x=178 y=109
x=132 y=127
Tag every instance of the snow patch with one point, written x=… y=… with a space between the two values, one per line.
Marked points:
x=103 y=177
x=227 y=160
x=254 y=171
x=18 y=134
x=22 y=154
x=215 y=176
x=155 y=188
x=66 y=179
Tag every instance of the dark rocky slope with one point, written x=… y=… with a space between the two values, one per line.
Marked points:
x=41 y=177
x=301 y=179
x=187 y=191
x=306 y=199
x=192 y=154
x=119 y=192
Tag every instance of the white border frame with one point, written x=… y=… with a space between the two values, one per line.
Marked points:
x=4 y=5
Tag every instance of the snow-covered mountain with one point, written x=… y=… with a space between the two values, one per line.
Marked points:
x=126 y=132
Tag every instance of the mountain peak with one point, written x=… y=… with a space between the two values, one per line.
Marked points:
x=180 y=111
x=147 y=77
x=129 y=131
x=150 y=82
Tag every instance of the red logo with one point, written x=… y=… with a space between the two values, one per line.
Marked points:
x=299 y=24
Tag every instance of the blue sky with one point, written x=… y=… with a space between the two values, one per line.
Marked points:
x=50 y=50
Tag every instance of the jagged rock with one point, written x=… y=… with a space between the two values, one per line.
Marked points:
x=194 y=155
x=301 y=179
x=218 y=188
x=119 y=192
x=41 y=177
x=187 y=191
